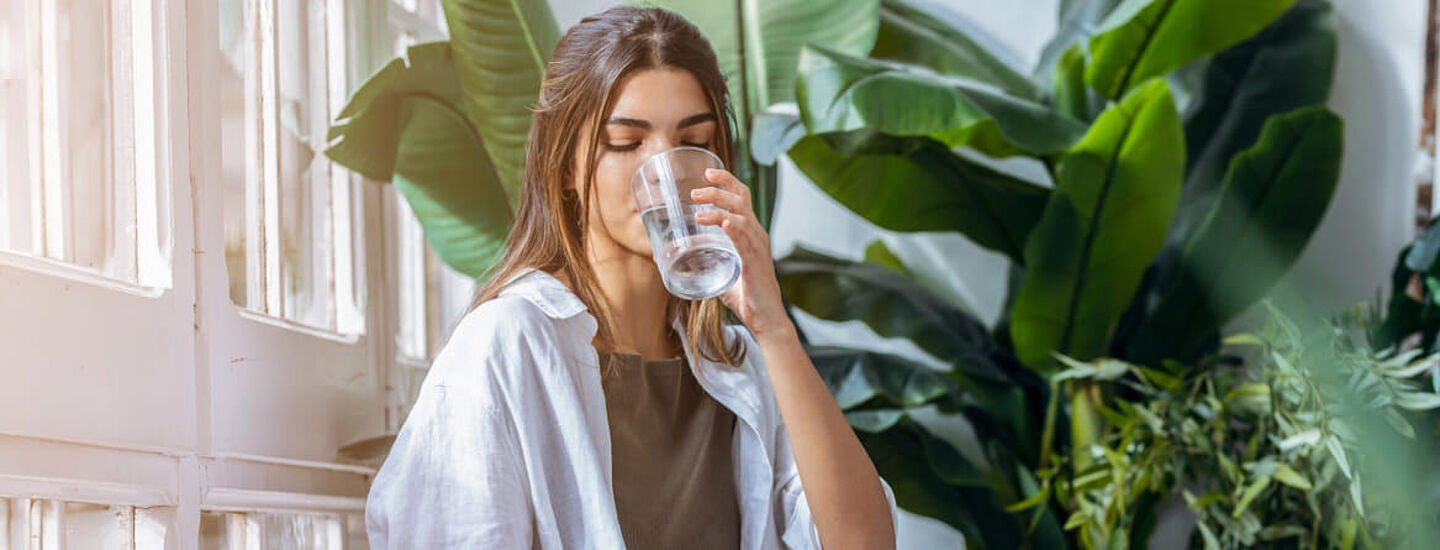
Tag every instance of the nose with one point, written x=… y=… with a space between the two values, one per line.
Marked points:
x=661 y=143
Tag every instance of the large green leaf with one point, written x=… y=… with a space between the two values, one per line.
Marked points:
x=1076 y=22
x=910 y=33
x=1003 y=399
x=894 y=307
x=864 y=379
x=407 y=123
x=1273 y=198
x=1070 y=94
x=931 y=479
x=1116 y=194
x=500 y=48
x=908 y=184
x=773 y=32
x=1148 y=38
x=838 y=92
x=1289 y=65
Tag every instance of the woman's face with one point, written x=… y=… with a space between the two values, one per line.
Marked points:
x=653 y=110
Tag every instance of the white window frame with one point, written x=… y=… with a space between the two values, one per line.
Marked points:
x=264 y=267
x=138 y=256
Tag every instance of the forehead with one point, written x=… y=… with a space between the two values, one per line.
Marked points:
x=661 y=96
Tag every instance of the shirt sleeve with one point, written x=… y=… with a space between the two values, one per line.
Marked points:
x=798 y=531
x=453 y=479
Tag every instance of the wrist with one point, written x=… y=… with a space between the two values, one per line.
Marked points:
x=783 y=330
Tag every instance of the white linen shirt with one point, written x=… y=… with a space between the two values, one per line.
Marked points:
x=508 y=443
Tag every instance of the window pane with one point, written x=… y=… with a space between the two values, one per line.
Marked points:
x=304 y=171
x=235 y=530
x=80 y=180
x=17 y=230
x=289 y=212
x=98 y=525
x=78 y=87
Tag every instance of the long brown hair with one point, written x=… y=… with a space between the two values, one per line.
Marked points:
x=550 y=228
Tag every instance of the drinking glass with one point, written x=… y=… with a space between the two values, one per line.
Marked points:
x=696 y=261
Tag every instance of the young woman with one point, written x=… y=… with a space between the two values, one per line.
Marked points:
x=579 y=404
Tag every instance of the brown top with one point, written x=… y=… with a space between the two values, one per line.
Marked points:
x=670 y=446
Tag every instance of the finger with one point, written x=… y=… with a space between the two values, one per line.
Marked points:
x=736 y=226
x=729 y=182
x=721 y=198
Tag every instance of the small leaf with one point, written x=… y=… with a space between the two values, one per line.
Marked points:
x=1413 y=369
x=1251 y=492
x=1028 y=503
x=879 y=254
x=1243 y=339
x=1333 y=443
x=1211 y=543
x=1417 y=401
x=1284 y=474
x=1355 y=496
x=1306 y=438
x=1398 y=422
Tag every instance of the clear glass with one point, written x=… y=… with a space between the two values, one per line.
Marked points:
x=695 y=261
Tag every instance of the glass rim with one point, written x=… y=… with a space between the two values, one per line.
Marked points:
x=640 y=170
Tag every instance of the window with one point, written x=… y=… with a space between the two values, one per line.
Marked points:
x=291 y=223
x=225 y=530
x=56 y=524
x=83 y=182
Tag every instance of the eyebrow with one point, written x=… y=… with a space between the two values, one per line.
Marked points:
x=645 y=124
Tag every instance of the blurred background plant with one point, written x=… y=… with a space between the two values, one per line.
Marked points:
x=1184 y=159
x=1188 y=158
x=1279 y=445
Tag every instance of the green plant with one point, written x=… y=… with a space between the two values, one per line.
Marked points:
x=1158 y=224
x=447 y=122
x=1413 y=310
x=1268 y=451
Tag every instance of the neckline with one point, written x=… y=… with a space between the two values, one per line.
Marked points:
x=628 y=354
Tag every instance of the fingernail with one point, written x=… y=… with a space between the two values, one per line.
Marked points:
x=695 y=193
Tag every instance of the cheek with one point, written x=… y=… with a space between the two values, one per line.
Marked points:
x=616 y=202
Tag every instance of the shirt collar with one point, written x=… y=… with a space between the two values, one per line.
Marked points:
x=546 y=292
x=734 y=388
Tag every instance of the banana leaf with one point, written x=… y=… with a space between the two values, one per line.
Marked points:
x=408 y=124
x=1105 y=221
x=1289 y=65
x=500 y=50
x=917 y=184
x=1141 y=39
x=838 y=92
x=918 y=35
x=1273 y=198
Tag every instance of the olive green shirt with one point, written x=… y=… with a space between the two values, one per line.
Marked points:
x=674 y=480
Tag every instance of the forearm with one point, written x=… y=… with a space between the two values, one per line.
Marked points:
x=841 y=485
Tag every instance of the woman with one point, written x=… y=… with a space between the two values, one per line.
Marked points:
x=579 y=404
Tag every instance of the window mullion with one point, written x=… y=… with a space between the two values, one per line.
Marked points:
x=270 y=133
x=51 y=195
x=149 y=213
